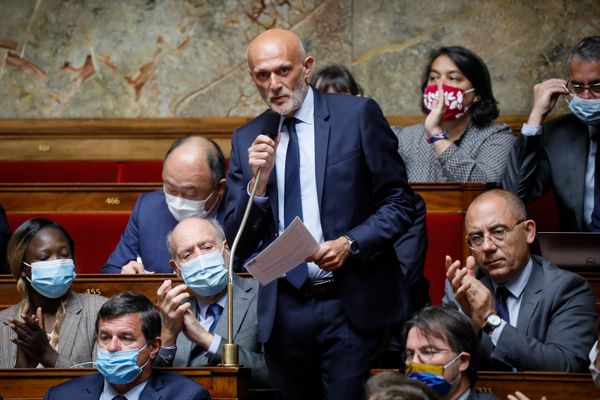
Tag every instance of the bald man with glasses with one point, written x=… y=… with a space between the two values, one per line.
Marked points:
x=533 y=315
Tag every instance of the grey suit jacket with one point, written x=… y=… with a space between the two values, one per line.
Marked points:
x=77 y=337
x=555 y=327
x=480 y=157
x=555 y=159
x=245 y=335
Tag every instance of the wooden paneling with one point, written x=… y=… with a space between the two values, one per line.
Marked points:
x=88 y=197
x=223 y=383
x=128 y=139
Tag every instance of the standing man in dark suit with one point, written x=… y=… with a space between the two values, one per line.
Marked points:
x=534 y=315
x=195 y=325
x=128 y=335
x=561 y=154
x=335 y=164
x=193 y=186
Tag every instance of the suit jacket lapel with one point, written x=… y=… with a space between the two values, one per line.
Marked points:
x=531 y=296
x=578 y=139
x=239 y=311
x=93 y=391
x=69 y=325
x=150 y=392
x=322 y=132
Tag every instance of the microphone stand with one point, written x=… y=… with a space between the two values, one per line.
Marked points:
x=230 y=356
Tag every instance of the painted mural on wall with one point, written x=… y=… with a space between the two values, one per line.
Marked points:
x=186 y=58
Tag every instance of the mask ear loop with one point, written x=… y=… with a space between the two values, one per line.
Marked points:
x=570 y=94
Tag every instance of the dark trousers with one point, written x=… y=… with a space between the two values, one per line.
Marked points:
x=315 y=353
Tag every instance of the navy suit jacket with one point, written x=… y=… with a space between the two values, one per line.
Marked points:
x=161 y=386
x=146 y=234
x=362 y=191
x=555 y=159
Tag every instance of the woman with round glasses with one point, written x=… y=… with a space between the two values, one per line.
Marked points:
x=459 y=140
x=51 y=326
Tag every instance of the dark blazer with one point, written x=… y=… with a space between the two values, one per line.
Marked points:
x=474 y=395
x=555 y=327
x=145 y=235
x=555 y=159
x=245 y=292
x=161 y=386
x=362 y=191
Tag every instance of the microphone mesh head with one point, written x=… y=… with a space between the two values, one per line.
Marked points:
x=271 y=126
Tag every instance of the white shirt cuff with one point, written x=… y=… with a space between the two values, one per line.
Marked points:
x=260 y=201
x=214 y=346
x=531 y=130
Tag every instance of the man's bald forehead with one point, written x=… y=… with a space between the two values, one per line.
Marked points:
x=503 y=200
x=276 y=37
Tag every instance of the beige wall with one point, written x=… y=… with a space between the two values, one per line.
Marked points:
x=176 y=58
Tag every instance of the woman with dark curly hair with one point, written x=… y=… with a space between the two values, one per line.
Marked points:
x=51 y=326
x=459 y=140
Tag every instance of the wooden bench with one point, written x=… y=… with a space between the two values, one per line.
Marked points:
x=129 y=139
x=553 y=385
x=223 y=383
x=96 y=214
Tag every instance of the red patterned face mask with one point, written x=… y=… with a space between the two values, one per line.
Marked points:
x=453 y=98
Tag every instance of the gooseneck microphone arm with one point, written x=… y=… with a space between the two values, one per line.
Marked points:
x=230 y=355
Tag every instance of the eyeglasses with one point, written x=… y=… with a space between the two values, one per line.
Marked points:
x=427 y=355
x=577 y=88
x=496 y=236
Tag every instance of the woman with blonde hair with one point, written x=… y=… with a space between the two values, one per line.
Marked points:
x=51 y=326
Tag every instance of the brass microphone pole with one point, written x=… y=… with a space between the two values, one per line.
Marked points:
x=230 y=355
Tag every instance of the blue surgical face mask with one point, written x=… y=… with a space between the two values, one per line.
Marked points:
x=52 y=278
x=586 y=110
x=432 y=375
x=119 y=367
x=206 y=274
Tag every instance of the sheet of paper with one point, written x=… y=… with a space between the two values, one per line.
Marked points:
x=291 y=248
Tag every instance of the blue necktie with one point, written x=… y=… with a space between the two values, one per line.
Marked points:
x=595 y=223
x=502 y=294
x=292 y=203
x=215 y=310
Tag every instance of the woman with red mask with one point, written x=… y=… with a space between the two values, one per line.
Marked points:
x=459 y=140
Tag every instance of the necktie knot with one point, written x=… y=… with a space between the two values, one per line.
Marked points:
x=214 y=310
x=119 y=397
x=290 y=123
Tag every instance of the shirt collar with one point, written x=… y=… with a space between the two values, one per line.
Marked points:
x=203 y=307
x=517 y=286
x=134 y=393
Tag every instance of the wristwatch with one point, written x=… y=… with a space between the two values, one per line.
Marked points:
x=491 y=322
x=352 y=246
x=434 y=138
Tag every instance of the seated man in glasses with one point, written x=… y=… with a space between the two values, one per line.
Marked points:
x=441 y=346
x=533 y=315
x=561 y=154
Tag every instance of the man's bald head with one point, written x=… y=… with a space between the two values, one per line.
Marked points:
x=191 y=231
x=503 y=199
x=276 y=40
x=280 y=69
x=193 y=168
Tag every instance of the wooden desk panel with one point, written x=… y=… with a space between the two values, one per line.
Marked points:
x=223 y=383
x=102 y=284
x=114 y=197
x=553 y=385
x=88 y=197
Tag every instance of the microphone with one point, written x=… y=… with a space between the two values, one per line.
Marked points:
x=271 y=125
x=230 y=351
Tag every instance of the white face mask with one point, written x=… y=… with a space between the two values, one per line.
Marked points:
x=593 y=369
x=182 y=208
